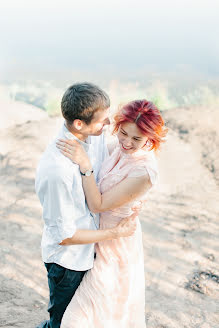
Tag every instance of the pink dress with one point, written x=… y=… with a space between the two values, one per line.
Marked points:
x=112 y=293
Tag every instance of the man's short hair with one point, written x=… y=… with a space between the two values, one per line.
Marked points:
x=82 y=100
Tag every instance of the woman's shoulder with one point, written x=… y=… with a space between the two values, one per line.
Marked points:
x=145 y=166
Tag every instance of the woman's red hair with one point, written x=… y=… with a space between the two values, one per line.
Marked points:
x=146 y=116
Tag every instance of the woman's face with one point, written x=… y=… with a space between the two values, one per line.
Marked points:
x=130 y=138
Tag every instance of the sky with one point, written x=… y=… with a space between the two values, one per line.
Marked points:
x=118 y=38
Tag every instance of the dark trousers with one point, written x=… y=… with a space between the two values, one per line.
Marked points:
x=62 y=286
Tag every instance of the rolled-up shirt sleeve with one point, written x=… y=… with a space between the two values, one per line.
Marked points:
x=55 y=194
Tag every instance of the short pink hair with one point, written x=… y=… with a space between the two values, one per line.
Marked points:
x=146 y=116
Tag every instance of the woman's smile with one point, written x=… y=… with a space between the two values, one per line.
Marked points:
x=126 y=148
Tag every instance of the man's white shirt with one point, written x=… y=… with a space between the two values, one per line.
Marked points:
x=59 y=187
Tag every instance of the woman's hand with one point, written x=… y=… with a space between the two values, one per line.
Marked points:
x=75 y=151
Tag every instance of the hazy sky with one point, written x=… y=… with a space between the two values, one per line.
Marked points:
x=119 y=36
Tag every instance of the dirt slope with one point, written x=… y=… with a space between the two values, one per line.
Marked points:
x=15 y=112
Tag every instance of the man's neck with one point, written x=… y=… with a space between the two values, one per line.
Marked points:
x=75 y=133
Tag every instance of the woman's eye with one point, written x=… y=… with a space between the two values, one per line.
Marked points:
x=123 y=132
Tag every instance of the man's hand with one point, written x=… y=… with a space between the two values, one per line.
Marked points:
x=138 y=206
x=127 y=226
x=66 y=242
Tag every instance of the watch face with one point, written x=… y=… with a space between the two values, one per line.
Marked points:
x=88 y=173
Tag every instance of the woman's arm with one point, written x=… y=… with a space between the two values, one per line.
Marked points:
x=125 y=192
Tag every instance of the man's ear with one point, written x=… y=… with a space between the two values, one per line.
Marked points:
x=78 y=124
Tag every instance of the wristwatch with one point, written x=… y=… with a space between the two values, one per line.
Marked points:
x=87 y=173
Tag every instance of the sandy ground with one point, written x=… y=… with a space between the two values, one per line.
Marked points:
x=179 y=221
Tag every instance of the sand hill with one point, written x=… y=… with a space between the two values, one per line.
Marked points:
x=14 y=112
x=179 y=221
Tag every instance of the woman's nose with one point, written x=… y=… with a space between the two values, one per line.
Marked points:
x=127 y=142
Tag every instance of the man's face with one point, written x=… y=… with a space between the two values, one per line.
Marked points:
x=100 y=119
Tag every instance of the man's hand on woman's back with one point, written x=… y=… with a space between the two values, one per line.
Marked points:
x=127 y=226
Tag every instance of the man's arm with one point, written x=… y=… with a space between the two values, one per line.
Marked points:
x=59 y=207
x=125 y=228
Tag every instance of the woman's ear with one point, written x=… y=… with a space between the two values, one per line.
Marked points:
x=147 y=145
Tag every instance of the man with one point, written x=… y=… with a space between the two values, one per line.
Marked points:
x=65 y=213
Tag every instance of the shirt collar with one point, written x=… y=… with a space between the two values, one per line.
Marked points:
x=71 y=136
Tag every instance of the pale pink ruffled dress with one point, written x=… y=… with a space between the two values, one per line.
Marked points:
x=112 y=293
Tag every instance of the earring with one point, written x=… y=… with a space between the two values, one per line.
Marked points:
x=148 y=144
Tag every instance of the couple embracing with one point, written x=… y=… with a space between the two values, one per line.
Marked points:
x=90 y=193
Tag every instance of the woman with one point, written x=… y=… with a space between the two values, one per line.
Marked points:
x=111 y=294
